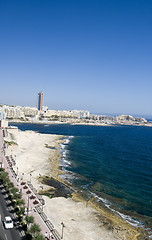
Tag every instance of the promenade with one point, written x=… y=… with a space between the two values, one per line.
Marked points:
x=33 y=201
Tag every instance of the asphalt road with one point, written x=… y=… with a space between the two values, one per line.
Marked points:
x=7 y=210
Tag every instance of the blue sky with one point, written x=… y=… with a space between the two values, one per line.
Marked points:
x=94 y=55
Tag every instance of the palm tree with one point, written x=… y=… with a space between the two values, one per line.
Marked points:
x=14 y=195
x=35 y=230
x=22 y=211
x=8 y=186
x=39 y=236
x=2 y=169
x=6 y=183
x=4 y=176
x=28 y=236
x=14 y=190
x=29 y=219
x=17 y=201
x=17 y=196
x=20 y=202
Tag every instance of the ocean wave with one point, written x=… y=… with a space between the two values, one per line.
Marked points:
x=150 y=236
x=64 y=153
x=65 y=163
x=62 y=146
x=105 y=201
x=130 y=220
x=134 y=222
x=69 y=175
x=66 y=141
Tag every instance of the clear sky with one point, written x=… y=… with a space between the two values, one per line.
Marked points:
x=92 y=55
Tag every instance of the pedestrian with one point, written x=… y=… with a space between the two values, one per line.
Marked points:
x=46 y=235
x=51 y=236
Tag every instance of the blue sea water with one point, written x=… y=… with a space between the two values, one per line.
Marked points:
x=112 y=163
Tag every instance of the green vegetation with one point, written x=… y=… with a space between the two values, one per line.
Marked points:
x=54 y=118
x=29 y=220
x=10 y=143
x=23 y=119
x=34 y=232
x=9 y=118
x=34 y=229
x=2 y=169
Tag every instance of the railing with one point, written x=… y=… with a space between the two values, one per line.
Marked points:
x=48 y=223
x=36 y=193
x=40 y=198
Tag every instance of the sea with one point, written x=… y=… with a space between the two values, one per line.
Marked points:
x=113 y=164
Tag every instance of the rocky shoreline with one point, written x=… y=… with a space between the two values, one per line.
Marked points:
x=39 y=155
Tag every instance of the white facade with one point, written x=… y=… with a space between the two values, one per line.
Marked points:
x=3 y=123
x=67 y=114
x=17 y=112
x=29 y=111
x=2 y=115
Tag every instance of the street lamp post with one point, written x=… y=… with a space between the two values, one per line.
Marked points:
x=62 y=224
x=22 y=176
x=41 y=201
x=30 y=177
x=2 y=157
x=17 y=171
x=28 y=205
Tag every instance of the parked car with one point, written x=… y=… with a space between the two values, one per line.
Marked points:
x=8 y=222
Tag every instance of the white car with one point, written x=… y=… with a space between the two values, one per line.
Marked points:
x=8 y=222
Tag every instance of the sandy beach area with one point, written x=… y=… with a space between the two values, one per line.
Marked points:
x=37 y=157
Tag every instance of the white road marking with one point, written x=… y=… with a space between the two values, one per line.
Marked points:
x=6 y=237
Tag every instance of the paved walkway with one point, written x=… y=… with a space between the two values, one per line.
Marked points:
x=33 y=201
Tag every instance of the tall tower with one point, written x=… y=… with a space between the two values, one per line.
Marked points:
x=40 y=99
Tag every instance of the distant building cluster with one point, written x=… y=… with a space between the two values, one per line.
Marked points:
x=122 y=119
x=42 y=113
x=28 y=113
x=39 y=113
x=67 y=114
x=17 y=112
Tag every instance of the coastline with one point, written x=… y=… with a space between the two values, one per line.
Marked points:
x=82 y=215
x=80 y=123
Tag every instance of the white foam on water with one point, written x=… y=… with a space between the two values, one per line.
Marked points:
x=64 y=153
x=70 y=137
x=67 y=141
x=129 y=219
x=65 y=163
x=62 y=146
x=125 y=217
x=70 y=176
x=105 y=201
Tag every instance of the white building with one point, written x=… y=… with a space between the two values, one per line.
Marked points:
x=3 y=123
